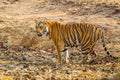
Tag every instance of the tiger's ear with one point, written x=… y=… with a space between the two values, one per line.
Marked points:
x=36 y=20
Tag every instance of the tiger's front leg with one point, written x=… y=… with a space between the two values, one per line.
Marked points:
x=65 y=56
x=85 y=55
x=58 y=54
x=62 y=53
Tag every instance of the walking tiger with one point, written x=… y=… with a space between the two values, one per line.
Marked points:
x=71 y=35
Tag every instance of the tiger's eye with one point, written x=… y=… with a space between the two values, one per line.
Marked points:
x=41 y=25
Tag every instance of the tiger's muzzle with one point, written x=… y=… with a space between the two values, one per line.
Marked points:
x=39 y=34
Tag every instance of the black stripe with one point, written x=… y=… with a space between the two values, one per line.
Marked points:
x=108 y=53
x=103 y=45
x=105 y=48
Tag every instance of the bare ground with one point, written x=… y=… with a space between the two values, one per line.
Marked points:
x=25 y=56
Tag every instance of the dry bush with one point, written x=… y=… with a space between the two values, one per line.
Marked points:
x=33 y=41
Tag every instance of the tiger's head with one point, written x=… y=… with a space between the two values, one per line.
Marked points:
x=41 y=28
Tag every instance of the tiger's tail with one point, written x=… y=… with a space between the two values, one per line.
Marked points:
x=105 y=48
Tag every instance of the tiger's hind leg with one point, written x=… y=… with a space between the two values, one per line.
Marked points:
x=92 y=53
x=84 y=58
x=86 y=51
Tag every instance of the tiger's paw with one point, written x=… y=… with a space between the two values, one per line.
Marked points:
x=68 y=63
x=90 y=61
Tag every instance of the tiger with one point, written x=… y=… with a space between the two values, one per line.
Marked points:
x=70 y=35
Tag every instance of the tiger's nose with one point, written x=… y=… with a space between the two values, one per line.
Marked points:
x=39 y=34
